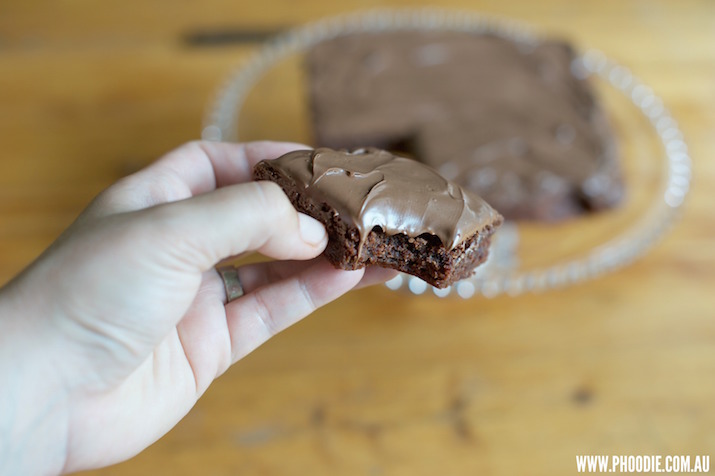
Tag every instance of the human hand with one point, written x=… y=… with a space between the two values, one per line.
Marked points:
x=111 y=336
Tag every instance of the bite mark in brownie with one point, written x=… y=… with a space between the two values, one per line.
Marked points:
x=508 y=121
x=385 y=210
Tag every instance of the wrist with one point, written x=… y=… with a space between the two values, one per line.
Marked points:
x=33 y=401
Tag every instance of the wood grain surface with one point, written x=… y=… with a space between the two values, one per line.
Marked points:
x=380 y=383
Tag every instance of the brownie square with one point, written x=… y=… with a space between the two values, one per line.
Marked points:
x=385 y=210
x=509 y=121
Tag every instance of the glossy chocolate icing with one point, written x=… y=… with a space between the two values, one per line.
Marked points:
x=509 y=121
x=374 y=188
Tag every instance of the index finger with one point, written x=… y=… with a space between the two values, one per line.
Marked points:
x=204 y=166
x=193 y=169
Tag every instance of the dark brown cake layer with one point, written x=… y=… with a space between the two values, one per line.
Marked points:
x=506 y=120
x=379 y=209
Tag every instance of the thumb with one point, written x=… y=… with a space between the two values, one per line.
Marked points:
x=253 y=216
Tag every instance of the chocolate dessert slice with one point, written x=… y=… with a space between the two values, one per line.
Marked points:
x=381 y=209
x=507 y=120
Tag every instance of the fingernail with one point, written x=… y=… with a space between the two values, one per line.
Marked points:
x=311 y=230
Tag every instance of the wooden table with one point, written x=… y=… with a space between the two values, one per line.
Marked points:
x=380 y=383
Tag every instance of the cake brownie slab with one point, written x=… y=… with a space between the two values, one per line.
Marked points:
x=386 y=210
x=509 y=121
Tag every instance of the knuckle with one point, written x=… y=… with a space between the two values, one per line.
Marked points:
x=307 y=294
x=113 y=198
x=265 y=316
x=192 y=145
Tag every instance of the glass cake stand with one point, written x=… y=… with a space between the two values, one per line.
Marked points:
x=266 y=98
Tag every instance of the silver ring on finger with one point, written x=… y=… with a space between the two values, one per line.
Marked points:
x=231 y=282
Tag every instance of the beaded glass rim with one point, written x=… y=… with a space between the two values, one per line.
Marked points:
x=496 y=276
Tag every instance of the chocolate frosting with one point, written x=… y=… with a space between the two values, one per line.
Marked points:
x=508 y=121
x=371 y=187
